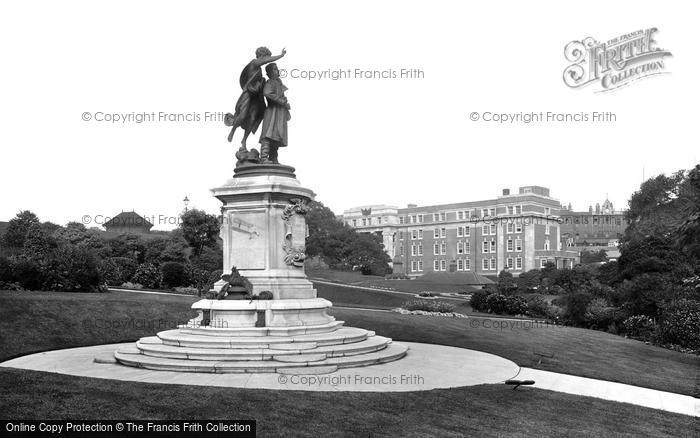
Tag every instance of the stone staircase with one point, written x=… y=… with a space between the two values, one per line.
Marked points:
x=299 y=349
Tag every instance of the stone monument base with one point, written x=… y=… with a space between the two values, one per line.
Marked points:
x=261 y=336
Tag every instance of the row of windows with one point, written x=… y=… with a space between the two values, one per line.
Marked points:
x=595 y=220
x=465 y=231
x=489 y=264
x=463 y=214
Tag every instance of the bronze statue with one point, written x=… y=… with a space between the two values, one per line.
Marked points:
x=274 y=129
x=250 y=107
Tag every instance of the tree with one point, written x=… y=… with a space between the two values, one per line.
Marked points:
x=17 y=229
x=506 y=283
x=588 y=257
x=342 y=247
x=199 y=229
x=173 y=248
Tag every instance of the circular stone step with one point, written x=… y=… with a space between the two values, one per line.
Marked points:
x=299 y=358
x=392 y=352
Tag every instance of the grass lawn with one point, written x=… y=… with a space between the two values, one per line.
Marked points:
x=413 y=286
x=36 y=321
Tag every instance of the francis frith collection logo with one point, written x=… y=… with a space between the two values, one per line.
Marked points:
x=615 y=63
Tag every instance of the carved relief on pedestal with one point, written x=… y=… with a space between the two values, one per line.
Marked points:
x=295 y=232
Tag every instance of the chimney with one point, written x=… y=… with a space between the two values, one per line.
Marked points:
x=412 y=206
x=506 y=192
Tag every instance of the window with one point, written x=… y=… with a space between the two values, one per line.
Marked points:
x=493 y=246
x=443 y=232
x=436 y=249
x=400 y=235
x=420 y=265
x=460 y=247
x=414 y=234
x=547 y=211
x=492 y=229
x=436 y=233
x=466 y=232
x=493 y=264
x=401 y=249
x=402 y=220
x=509 y=209
x=354 y=223
x=436 y=217
x=518 y=263
x=518 y=244
x=467 y=264
x=414 y=268
x=546 y=244
x=484 y=246
x=460 y=265
x=518 y=209
x=460 y=231
x=543 y=263
x=485 y=264
x=443 y=265
x=413 y=249
x=364 y=222
x=420 y=233
x=485 y=230
x=546 y=229
x=420 y=248
x=509 y=245
x=518 y=227
x=436 y=265
x=443 y=248
x=509 y=263
x=420 y=218
x=510 y=227
x=379 y=220
x=467 y=247
x=443 y=216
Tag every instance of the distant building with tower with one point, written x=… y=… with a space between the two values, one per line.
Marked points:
x=601 y=227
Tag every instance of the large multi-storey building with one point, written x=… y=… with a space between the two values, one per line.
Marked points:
x=517 y=232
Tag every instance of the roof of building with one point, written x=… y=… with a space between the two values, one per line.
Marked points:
x=128 y=218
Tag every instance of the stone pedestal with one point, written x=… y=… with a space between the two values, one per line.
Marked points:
x=264 y=229
x=264 y=233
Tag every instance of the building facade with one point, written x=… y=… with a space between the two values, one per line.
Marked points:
x=601 y=227
x=517 y=232
x=128 y=222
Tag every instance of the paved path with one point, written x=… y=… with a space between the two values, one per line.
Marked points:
x=425 y=367
x=619 y=392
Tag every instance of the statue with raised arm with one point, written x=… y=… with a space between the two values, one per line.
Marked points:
x=250 y=107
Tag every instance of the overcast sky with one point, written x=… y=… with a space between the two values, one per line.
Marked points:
x=354 y=141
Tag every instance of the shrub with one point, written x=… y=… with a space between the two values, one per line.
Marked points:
x=496 y=303
x=429 y=306
x=426 y=294
x=27 y=273
x=174 y=274
x=537 y=306
x=599 y=314
x=187 y=290
x=130 y=285
x=478 y=301
x=515 y=305
x=5 y=270
x=71 y=269
x=117 y=270
x=397 y=276
x=529 y=281
x=506 y=283
x=639 y=327
x=575 y=305
x=148 y=275
x=680 y=324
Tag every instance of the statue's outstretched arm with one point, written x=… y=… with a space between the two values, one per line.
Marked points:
x=259 y=62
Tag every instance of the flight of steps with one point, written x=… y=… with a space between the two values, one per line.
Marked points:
x=300 y=349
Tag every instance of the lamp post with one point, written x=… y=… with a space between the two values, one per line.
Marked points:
x=186 y=201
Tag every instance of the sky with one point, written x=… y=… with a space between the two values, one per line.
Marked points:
x=358 y=140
